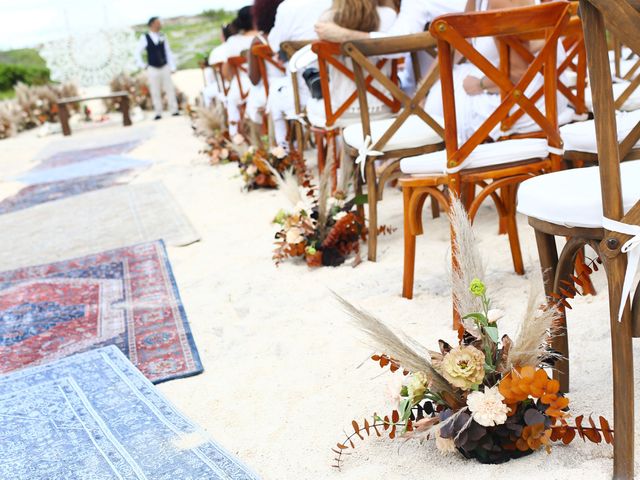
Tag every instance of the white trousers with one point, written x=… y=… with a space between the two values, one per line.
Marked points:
x=159 y=80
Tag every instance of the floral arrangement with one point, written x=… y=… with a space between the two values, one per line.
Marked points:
x=488 y=397
x=139 y=93
x=261 y=166
x=10 y=119
x=209 y=123
x=38 y=103
x=323 y=228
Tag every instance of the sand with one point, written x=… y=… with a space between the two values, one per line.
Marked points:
x=285 y=373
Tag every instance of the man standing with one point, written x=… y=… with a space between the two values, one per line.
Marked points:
x=160 y=64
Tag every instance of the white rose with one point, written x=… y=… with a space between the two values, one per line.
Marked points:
x=294 y=235
x=487 y=408
x=494 y=315
x=278 y=152
x=339 y=215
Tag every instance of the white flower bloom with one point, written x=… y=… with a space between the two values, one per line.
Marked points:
x=339 y=215
x=487 y=408
x=444 y=445
x=494 y=315
x=335 y=202
x=278 y=152
x=252 y=170
x=224 y=153
x=294 y=235
x=238 y=139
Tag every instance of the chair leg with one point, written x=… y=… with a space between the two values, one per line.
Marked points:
x=358 y=188
x=409 y=247
x=623 y=384
x=509 y=195
x=503 y=227
x=435 y=207
x=320 y=146
x=372 y=194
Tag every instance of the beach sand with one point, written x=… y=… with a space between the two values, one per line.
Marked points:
x=285 y=372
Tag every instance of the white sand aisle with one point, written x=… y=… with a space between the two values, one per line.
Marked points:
x=284 y=371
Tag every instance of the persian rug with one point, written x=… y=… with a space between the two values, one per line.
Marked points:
x=56 y=190
x=73 y=172
x=126 y=297
x=101 y=220
x=93 y=416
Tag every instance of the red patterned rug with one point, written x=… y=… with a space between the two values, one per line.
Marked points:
x=126 y=297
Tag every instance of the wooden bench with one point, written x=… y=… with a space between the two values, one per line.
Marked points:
x=63 y=111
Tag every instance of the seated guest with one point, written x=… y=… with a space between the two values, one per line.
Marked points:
x=414 y=16
x=477 y=97
x=361 y=16
x=212 y=89
x=234 y=47
x=295 y=20
x=264 y=15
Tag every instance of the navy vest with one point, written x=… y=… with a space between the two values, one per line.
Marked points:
x=156 y=54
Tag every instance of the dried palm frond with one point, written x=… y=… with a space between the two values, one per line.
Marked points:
x=208 y=121
x=324 y=192
x=469 y=261
x=287 y=183
x=534 y=335
x=409 y=354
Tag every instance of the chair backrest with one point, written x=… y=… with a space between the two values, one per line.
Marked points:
x=622 y=19
x=239 y=66
x=511 y=28
x=264 y=55
x=361 y=53
x=223 y=85
x=330 y=55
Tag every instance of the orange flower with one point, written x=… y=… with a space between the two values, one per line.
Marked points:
x=525 y=382
x=533 y=437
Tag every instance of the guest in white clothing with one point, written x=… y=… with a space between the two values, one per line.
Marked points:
x=295 y=20
x=414 y=17
x=159 y=65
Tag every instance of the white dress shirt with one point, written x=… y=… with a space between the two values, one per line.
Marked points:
x=416 y=14
x=155 y=38
x=296 y=19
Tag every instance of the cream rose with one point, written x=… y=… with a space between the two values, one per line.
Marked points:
x=487 y=408
x=463 y=367
x=294 y=235
x=417 y=386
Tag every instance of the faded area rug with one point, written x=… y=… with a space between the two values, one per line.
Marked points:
x=93 y=416
x=126 y=297
x=102 y=220
x=73 y=172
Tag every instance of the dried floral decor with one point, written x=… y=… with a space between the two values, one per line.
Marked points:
x=263 y=166
x=324 y=228
x=139 y=94
x=209 y=123
x=490 y=397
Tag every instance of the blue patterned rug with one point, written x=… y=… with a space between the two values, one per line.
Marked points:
x=94 y=416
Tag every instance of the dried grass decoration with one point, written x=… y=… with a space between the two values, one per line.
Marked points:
x=209 y=123
x=323 y=228
x=488 y=398
x=263 y=166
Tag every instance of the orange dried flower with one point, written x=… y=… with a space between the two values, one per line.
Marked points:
x=525 y=382
x=533 y=437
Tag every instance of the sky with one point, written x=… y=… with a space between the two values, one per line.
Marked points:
x=25 y=23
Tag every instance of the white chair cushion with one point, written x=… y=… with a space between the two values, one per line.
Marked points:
x=413 y=133
x=485 y=155
x=581 y=136
x=317 y=116
x=632 y=103
x=572 y=198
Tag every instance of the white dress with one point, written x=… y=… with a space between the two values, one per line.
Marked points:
x=342 y=86
x=473 y=110
x=257 y=100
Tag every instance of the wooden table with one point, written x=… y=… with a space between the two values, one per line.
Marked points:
x=63 y=111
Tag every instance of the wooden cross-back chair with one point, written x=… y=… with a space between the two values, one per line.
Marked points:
x=493 y=169
x=299 y=127
x=632 y=67
x=592 y=206
x=239 y=69
x=412 y=131
x=264 y=57
x=330 y=56
x=223 y=84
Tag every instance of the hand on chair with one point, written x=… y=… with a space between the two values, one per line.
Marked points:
x=473 y=85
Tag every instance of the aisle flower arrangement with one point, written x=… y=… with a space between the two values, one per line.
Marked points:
x=139 y=94
x=488 y=397
x=324 y=228
x=263 y=166
x=38 y=103
x=209 y=123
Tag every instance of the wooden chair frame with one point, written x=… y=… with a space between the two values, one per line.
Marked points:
x=329 y=57
x=622 y=18
x=498 y=182
x=361 y=53
x=239 y=66
x=300 y=129
x=264 y=56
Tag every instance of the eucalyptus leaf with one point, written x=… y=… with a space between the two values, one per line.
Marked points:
x=493 y=333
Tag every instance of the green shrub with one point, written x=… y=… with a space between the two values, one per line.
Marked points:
x=10 y=75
